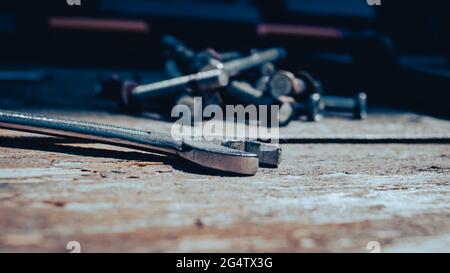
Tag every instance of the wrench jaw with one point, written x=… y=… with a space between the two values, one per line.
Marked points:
x=217 y=157
x=269 y=154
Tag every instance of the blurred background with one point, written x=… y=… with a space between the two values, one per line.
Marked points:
x=51 y=53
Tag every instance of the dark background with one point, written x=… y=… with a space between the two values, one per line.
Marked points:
x=397 y=52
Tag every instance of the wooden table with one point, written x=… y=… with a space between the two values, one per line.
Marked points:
x=341 y=185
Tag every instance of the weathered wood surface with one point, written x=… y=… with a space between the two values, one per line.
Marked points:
x=382 y=125
x=324 y=197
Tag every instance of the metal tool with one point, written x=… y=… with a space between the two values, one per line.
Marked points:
x=356 y=106
x=311 y=108
x=287 y=113
x=216 y=76
x=214 y=155
x=266 y=70
x=309 y=85
x=183 y=60
x=284 y=83
x=210 y=77
x=246 y=93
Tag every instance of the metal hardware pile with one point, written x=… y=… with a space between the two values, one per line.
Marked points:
x=224 y=78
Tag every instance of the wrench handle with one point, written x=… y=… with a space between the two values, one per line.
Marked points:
x=125 y=137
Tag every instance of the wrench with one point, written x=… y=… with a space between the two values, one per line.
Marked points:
x=233 y=157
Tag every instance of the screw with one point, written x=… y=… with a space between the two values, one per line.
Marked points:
x=357 y=105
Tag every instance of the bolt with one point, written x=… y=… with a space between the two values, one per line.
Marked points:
x=179 y=51
x=229 y=56
x=246 y=93
x=308 y=84
x=262 y=83
x=286 y=114
x=284 y=83
x=256 y=59
x=130 y=96
x=205 y=60
x=172 y=69
x=216 y=77
x=357 y=105
x=311 y=108
x=184 y=60
x=266 y=70
x=119 y=90
x=204 y=80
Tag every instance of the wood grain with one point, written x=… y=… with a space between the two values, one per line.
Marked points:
x=324 y=197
